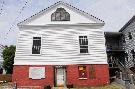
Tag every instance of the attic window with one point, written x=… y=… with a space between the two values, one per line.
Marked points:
x=60 y=15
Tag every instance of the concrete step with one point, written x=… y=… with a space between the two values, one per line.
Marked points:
x=59 y=88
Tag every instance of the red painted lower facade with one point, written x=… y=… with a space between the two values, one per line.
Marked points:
x=101 y=73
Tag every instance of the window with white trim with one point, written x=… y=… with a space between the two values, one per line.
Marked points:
x=82 y=72
x=83 y=41
x=36 y=47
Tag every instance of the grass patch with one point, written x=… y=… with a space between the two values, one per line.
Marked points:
x=111 y=86
x=6 y=85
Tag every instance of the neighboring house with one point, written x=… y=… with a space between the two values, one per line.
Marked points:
x=61 y=46
x=128 y=31
x=115 y=51
x=120 y=49
x=114 y=48
x=1 y=58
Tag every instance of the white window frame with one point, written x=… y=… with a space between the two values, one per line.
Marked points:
x=79 y=44
x=86 y=72
x=32 y=44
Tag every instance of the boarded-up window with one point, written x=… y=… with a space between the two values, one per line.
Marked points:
x=36 y=47
x=60 y=15
x=83 y=41
x=82 y=71
x=92 y=72
x=36 y=72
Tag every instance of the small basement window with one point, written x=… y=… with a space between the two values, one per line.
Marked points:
x=83 y=41
x=82 y=72
x=36 y=47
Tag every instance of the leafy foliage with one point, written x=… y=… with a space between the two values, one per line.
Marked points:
x=8 y=57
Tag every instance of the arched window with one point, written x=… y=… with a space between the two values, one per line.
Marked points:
x=60 y=15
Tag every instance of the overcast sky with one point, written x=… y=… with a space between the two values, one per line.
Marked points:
x=115 y=13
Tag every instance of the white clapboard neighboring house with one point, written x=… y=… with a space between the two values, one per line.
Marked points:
x=1 y=58
x=61 y=46
x=128 y=31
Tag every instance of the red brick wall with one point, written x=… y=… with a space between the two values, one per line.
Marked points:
x=101 y=76
x=21 y=76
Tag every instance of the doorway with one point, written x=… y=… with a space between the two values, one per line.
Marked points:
x=60 y=76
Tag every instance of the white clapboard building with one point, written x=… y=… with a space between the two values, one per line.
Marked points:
x=1 y=58
x=61 y=46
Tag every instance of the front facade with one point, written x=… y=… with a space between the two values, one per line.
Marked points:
x=61 y=46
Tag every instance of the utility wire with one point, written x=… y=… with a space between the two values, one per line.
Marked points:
x=2 y=7
x=19 y=13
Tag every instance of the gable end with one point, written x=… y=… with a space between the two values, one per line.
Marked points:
x=127 y=24
x=65 y=4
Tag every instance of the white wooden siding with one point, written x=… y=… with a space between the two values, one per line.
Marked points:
x=60 y=39
x=1 y=58
x=60 y=46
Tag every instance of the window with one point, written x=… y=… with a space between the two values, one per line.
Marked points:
x=133 y=53
x=92 y=72
x=60 y=15
x=126 y=56
x=82 y=72
x=129 y=35
x=83 y=41
x=123 y=39
x=36 y=47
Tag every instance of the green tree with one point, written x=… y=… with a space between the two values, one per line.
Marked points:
x=8 y=57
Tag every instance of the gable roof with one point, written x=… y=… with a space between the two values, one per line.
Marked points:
x=127 y=24
x=68 y=5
